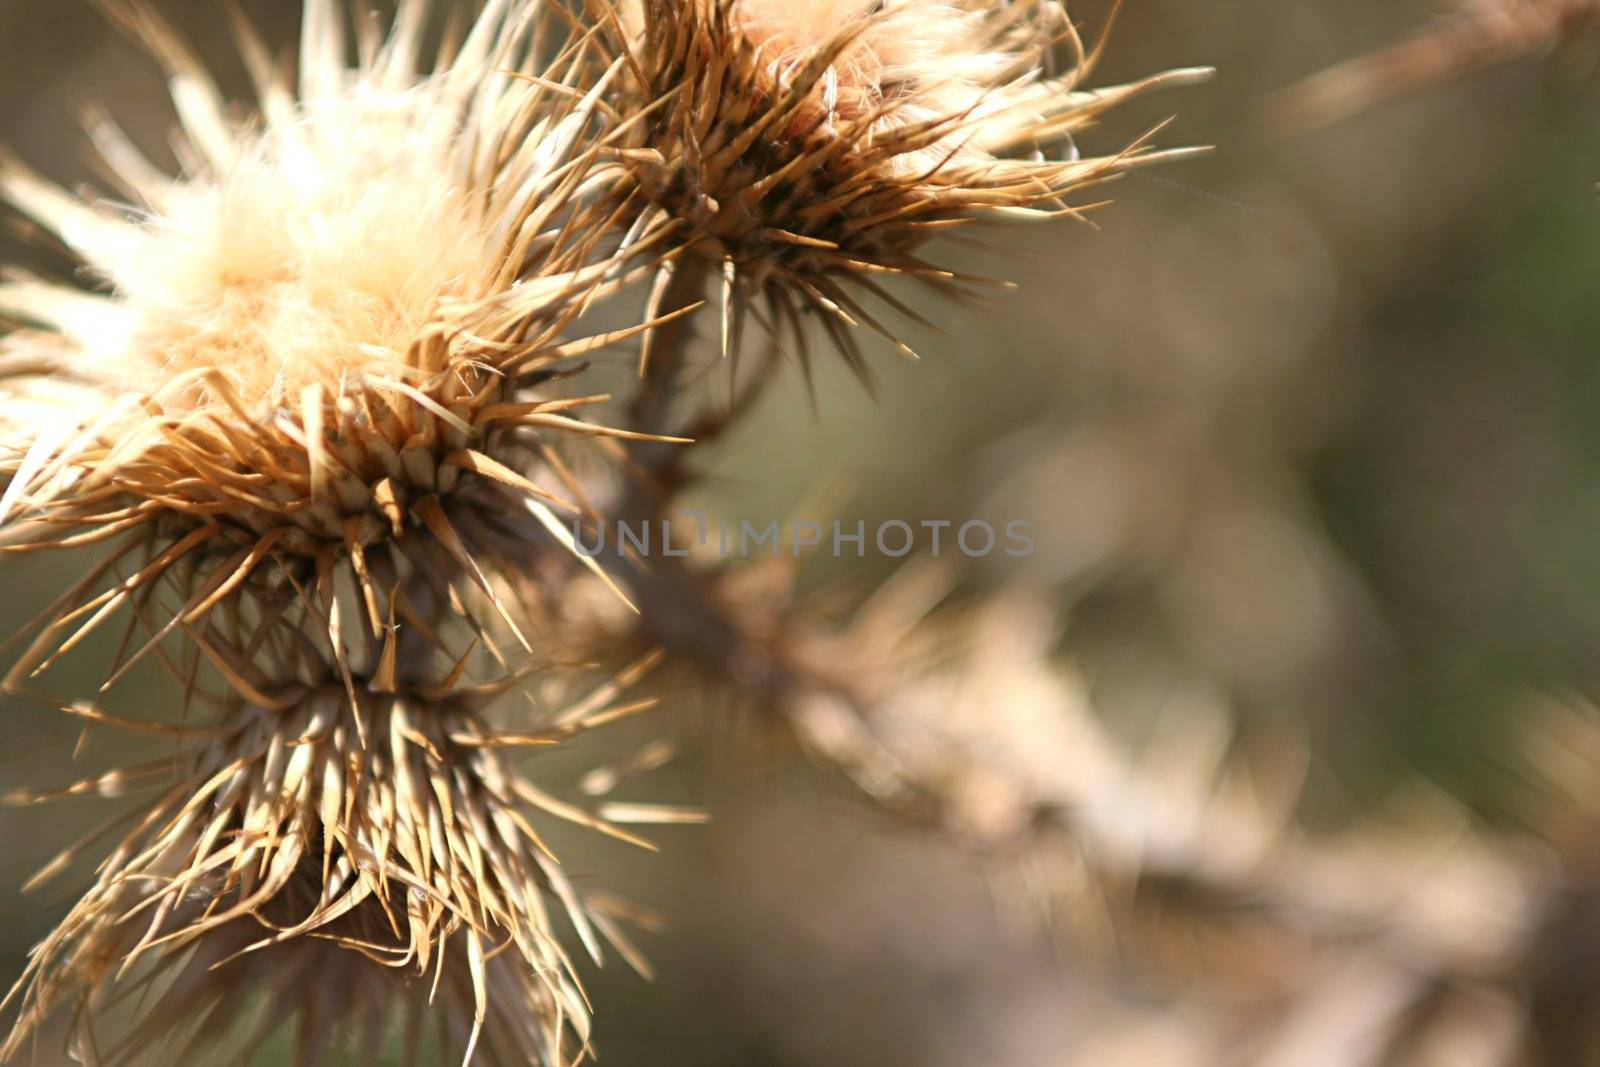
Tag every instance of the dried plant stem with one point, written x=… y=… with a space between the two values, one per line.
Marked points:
x=1220 y=857
x=1485 y=34
x=680 y=287
x=1213 y=875
x=658 y=468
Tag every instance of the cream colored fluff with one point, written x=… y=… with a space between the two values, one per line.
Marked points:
x=319 y=240
x=324 y=248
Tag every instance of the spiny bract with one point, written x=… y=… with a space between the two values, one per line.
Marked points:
x=808 y=149
x=395 y=829
x=318 y=354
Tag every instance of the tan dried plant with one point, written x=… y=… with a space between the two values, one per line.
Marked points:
x=315 y=414
x=412 y=849
x=316 y=361
x=803 y=153
x=309 y=408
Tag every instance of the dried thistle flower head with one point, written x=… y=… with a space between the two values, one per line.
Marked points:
x=395 y=830
x=326 y=337
x=309 y=399
x=803 y=148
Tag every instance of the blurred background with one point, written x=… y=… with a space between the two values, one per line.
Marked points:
x=1307 y=433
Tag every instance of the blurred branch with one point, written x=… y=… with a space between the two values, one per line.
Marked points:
x=1486 y=33
x=964 y=720
x=1416 y=925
